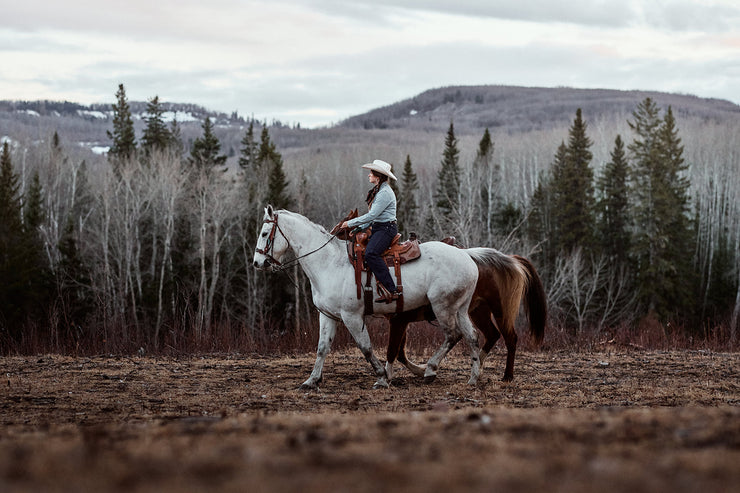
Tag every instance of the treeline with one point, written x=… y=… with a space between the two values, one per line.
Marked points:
x=154 y=248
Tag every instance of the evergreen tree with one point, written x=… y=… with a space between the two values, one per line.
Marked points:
x=73 y=280
x=205 y=150
x=573 y=190
x=22 y=269
x=485 y=150
x=271 y=162
x=539 y=227
x=10 y=205
x=659 y=198
x=123 y=135
x=156 y=135
x=613 y=205
x=248 y=156
x=33 y=209
x=175 y=134
x=448 y=177
x=407 y=205
x=488 y=175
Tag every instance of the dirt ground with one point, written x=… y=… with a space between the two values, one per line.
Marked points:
x=619 y=420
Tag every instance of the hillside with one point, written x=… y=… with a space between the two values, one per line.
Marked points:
x=521 y=109
x=503 y=109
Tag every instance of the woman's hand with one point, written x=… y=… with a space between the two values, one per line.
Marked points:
x=345 y=225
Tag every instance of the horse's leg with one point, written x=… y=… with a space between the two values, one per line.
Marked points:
x=510 y=338
x=481 y=318
x=466 y=329
x=356 y=326
x=504 y=310
x=397 y=342
x=451 y=338
x=416 y=370
x=327 y=331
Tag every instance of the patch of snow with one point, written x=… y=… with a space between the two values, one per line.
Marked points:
x=94 y=114
x=181 y=116
x=30 y=112
x=95 y=147
x=413 y=112
x=100 y=150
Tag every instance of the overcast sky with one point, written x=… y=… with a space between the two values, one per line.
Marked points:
x=318 y=62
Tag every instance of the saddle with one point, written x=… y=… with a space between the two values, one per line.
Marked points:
x=397 y=254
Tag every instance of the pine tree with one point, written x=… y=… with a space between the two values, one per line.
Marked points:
x=10 y=205
x=485 y=150
x=248 y=156
x=156 y=135
x=33 y=209
x=659 y=198
x=488 y=175
x=407 y=204
x=270 y=160
x=539 y=227
x=72 y=279
x=205 y=150
x=175 y=133
x=675 y=207
x=21 y=289
x=613 y=206
x=448 y=177
x=123 y=135
x=573 y=191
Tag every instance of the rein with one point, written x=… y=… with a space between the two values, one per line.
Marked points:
x=270 y=244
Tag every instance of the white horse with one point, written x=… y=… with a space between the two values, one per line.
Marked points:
x=444 y=277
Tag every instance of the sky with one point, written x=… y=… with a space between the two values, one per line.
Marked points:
x=317 y=62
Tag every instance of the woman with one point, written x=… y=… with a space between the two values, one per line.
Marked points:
x=382 y=221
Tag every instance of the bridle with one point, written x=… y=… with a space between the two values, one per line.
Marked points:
x=270 y=245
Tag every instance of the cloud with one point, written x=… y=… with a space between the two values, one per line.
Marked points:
x=320 y=61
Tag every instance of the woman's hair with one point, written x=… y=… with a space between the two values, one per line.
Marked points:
x=380 y=176
x=374 y=191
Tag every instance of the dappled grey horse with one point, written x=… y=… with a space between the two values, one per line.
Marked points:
x=444 y=278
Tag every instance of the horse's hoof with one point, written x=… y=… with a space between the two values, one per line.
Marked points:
x=507 y=378
x=429 y=379
x=381 y=384
x=308 y=386
x=473 y=381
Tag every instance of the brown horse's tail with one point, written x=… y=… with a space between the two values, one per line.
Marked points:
x=535 y=300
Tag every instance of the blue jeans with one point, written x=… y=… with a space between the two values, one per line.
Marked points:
x=380 y=240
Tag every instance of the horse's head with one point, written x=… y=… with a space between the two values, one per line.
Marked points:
x=271 y=242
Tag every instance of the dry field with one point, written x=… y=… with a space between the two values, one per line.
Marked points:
x=621 y=419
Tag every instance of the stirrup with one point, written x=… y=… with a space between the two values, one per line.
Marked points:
x=387 y=296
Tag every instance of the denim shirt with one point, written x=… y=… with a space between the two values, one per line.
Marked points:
x=382 y=210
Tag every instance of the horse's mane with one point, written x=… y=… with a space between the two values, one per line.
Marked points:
x=316 y=226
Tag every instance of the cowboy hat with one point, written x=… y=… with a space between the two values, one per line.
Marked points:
x=381 y=167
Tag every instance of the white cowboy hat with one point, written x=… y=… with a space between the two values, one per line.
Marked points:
x=381 y=167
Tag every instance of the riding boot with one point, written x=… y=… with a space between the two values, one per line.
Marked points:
x=386 y=296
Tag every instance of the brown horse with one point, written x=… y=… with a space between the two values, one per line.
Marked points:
x=503 y=282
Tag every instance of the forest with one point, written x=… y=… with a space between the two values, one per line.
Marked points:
x=631 y=218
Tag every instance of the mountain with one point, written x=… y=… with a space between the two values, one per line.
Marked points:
x=471 y=108
x=520 y=109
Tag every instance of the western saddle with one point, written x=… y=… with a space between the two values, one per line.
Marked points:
x=397 y=254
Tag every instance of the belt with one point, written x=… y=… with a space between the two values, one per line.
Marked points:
x=385 y=223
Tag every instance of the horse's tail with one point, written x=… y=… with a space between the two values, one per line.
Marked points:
x=535 y=300
x=502 y=283
x=515 y=279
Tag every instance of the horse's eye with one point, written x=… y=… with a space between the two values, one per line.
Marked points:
x=264 y=234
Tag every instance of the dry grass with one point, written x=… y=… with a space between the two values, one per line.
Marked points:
x=614 y=420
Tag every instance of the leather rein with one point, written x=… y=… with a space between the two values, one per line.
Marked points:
x=270 y=245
